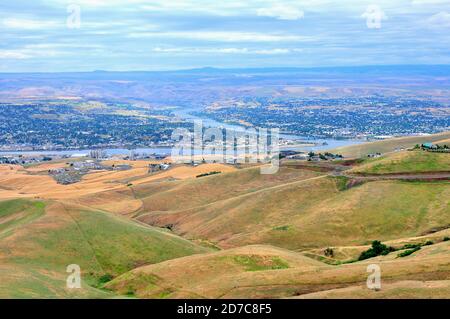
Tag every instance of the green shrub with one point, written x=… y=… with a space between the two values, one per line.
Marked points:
x=415 y=246
x=283 y=228
x=411 y=246
x=104 y=279
x=377 y=249
x=342 y=182
x=208 y=174
x=408 y=252
x=446 y=238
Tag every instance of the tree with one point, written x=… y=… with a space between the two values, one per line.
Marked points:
x=329 y=252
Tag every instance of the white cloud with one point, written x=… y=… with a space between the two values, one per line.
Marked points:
x=89 y=3
x=281 y=12
x=47 y=46
x=29 y=24
x=221 y=36
x=13 y=54
x=219 y=8
x=439 y=20
x=175 y=6
x=429 y=2
x=185 y=50
x=31 y=51
x=280 y=9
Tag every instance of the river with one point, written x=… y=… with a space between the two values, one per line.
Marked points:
x=184 y=113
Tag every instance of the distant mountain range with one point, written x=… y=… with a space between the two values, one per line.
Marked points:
x=379 y=70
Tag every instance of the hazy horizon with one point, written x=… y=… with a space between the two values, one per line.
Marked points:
x=235 y=69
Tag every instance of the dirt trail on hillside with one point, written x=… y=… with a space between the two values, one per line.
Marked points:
x=400 y=176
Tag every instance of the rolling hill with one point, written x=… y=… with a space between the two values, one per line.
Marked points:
x=36 y=255
x=236 y=234
x=415 y=161
x=249 y=272
x=314 y=213
x=389 y=145
x=192 y=277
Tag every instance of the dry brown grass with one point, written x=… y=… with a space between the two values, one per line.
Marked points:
x=208 y=276
x=406 y=289
x=107 y=190
x=294 y=209
x=134 y=164
x=42 y=168
x=189 y=275
x=186 y=172
x=303 y=214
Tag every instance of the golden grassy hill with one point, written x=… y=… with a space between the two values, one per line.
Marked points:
x=389 y=145
x=102 y=224
x=443 y=142
x=105 y=190
x=313 y=213
x=407 y=289
x=267 y=272
x=192 y=276
x=344 y=254
x=195 y=192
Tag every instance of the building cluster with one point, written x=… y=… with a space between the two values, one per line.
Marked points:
x=153 y=168
x=311 y=156
x=373 y=117
x=75 y=171
x=42 y=126
x=21 y=159
x=430 y=147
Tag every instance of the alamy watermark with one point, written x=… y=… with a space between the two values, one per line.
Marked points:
x=74 y=19
x=374 y=15
x=374 y=279
x=228 y=146
x=73 y=281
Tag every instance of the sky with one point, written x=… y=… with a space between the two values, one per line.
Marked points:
x=128 y=35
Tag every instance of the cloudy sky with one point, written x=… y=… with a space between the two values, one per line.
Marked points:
x=86 y=35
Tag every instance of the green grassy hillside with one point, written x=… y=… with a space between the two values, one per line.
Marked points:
x=14 y=213
x=416 y=161
x=35 y=257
